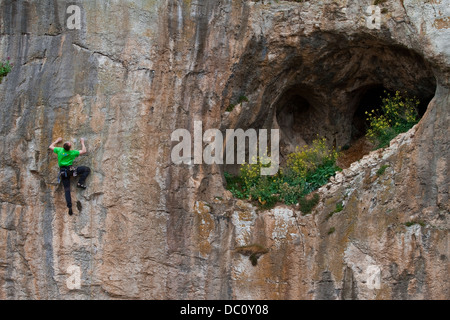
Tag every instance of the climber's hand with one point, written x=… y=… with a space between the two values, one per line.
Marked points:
x=52 y=146
x=83 y=147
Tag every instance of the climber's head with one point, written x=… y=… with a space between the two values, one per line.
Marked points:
x=67 y=146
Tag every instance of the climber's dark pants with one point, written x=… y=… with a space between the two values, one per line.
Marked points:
x=66 y=173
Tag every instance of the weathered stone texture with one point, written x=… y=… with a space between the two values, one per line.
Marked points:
x=149 y=229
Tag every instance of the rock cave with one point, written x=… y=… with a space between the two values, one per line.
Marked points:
x=322 y=87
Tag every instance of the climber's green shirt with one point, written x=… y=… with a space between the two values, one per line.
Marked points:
x=65 y=158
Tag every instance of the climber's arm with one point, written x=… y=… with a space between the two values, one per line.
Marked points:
x=53 y=145
x=83 y=147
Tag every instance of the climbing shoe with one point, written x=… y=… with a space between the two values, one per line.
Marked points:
x=70 y=212
x=82 y=186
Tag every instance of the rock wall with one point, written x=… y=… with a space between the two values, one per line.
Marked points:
x=149 y=229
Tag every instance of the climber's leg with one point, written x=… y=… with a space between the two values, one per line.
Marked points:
x=83 y=173
x=66 y=183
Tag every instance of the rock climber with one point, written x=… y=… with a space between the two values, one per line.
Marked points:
x=66 y=170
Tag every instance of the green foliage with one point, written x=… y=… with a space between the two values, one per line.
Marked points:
x=332 y=230
x=382 y=169
x=242 y=99
x=234 y=185
x=290 y=193
x=306 y=160
x=397 y=115
x=306 y=170
x=5 y=68
x=254 y=259
x=411 y=223
x=230 y=107
x=339 y=207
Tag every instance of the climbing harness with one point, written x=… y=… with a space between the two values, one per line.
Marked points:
x=67 y=172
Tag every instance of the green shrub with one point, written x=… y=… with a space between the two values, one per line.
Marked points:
x=397 y=115
x=230 y=107
x=242 y=99
x=307 y=160
x=290 y=193
x=411 y=223
x=306 y=170
x=339 y=207
x=5 y=68
x=332 y=230
x=306 y=205
x=263 y=192
x=382 y=169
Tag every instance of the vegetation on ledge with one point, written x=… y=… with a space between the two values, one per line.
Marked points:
x=306 y=170
x=397 y=115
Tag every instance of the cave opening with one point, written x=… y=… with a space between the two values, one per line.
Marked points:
x=333 y=105
x=319 y=90
x=296 y=115
x=371 y=99
x=302 y=116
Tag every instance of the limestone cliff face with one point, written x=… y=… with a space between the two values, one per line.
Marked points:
x=147 y=228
